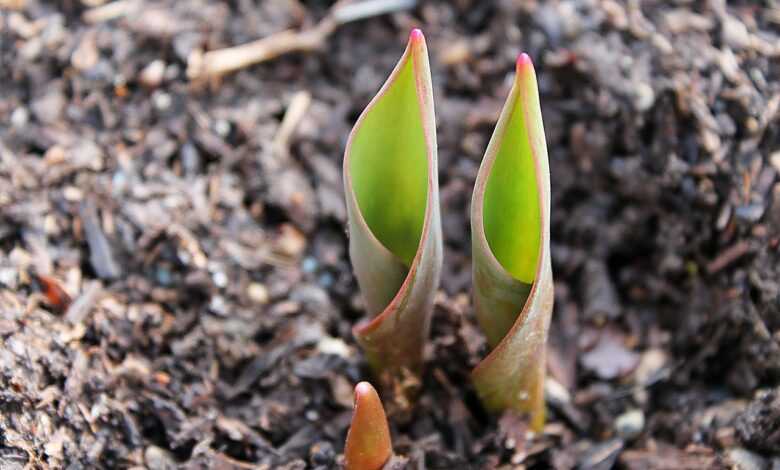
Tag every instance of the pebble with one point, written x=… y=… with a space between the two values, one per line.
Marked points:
x=20 y=117
x=153 y=74
x=8 y=278
x=774 y=158
x=734 y=32
x=743 y=459
x=325 y=280
x=222 y=127
x=158 y=459
x=190 y=159
x=72 y=194
x=49 y=107
x=629 y=425
x=750 y=212
x=164 y=277
x=644 y=96
x=650 y=366
x=258 y=293
x=555 y=392
x=335 y=346
x=322 y=453
x=218 y=305
x=162 y=101
x=220 y=279
x=309 y=264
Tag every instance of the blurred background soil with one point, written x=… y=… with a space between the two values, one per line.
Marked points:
x=175 y=290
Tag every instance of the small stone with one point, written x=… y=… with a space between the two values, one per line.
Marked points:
x=322 y=453
x=555 y=392
x=335 y=346
x=218 y=305
x=190 y=159
x=651 y=365
x=220 y=279
x=158 y=459
x=750 y=212
x=455 y=53
x=734 y=32
x=743 y=459
x=49 y=107
x=20 y=117
x=258 y=293
x=291 y=241
x=222 y=127
x=774 y=159
x=629 y=425
x=153 y=74
x=8 y=278
x=326 y=280
x=164 y=276
x=309 y=265
x=644 y=96
x=86 y=54
x=162 y=101
x=72 y=194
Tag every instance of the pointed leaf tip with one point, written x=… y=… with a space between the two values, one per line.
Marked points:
x=523 y=62
x=368 y=444
x=416 y=35
x=363 y=390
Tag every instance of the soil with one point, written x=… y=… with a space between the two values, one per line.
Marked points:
x=175 y=290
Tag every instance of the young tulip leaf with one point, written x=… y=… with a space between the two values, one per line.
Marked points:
x=510 y=223
x=368 y=444
x=391 y=185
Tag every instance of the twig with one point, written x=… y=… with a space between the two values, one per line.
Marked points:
x=728 y=256
x=369 y=8
x=111 y=11
x=219 y=62
x=292 y=117
x=222 y=61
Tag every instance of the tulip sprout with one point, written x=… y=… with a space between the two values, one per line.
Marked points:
x=368 y=444
x=391 y=185
x=510 y=224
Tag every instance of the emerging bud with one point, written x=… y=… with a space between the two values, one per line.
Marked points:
x=368 y=444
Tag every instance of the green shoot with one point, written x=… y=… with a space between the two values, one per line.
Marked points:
x=513 y=286
x=391 y=185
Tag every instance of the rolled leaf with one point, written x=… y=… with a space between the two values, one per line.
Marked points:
x=391 y=185
x=368 y=444
x=510 y=224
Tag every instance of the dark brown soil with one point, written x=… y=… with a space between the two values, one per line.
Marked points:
x=205 y=252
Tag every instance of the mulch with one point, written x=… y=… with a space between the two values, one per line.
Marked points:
x=175 y=289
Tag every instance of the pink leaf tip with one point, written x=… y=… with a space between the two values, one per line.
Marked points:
x=524 y=61
x=416 y=35
x=368 y=444
x=362 y=389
